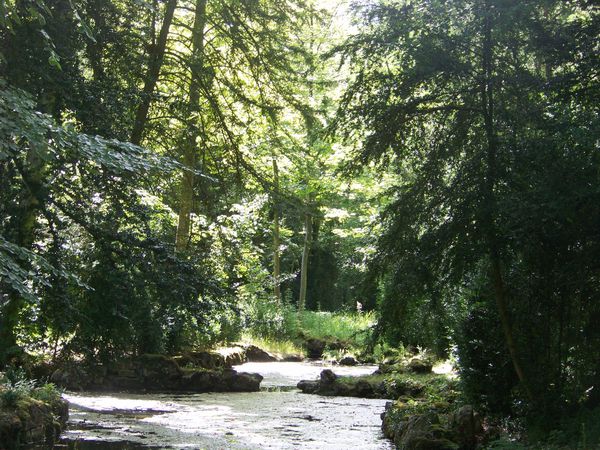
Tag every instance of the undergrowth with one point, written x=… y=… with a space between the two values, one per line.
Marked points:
x=15 y=386
x=281 y=323
x=273 y=345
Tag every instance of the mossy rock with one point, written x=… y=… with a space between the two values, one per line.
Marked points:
x=421 y=366
x=31 y=421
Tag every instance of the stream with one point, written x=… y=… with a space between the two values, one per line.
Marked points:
x=277 y=417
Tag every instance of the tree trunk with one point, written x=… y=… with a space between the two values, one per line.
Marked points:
x=496 y=278
x=189 y=148
x=154 y=65
x=33 y=179
x=95 y=48
x=305 y=255
x=276 y=236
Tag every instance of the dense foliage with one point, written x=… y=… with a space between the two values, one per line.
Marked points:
x=179 y=173
x=487 y=112
x=107 y=247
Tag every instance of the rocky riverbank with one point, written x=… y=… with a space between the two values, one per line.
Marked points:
x=30 y=415
x=390 y=381
x=193 y=372
x=436 y=427
x=426 y=415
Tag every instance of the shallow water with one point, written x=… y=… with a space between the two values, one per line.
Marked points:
x=278 y=417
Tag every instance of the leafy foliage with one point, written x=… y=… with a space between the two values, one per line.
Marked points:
x=478 y=108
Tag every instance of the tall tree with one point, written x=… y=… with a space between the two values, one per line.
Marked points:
x=276 y=235
x=451 y=97
x=191 y=136
x=155 y=61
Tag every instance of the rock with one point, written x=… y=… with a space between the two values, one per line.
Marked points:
x=315 y=348
x=161 y=373
x=234 y=356
x=203 y=360
x=293 y=358
x=308 y=386
x=467 y=427
x=393 y=366
x=364 y=389
x=255 y=354
x=246 y=382
x=150 y=364
x=348 y=361
x=417 y=365
x=422 y=432
x=70 y=377
x=156 y=372
x=327 y=376
x=32 y=421
x=197 y=381
x=226 y=380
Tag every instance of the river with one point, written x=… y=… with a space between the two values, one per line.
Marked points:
x=277 y=417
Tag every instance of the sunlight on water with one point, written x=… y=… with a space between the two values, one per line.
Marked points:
x=112 y=403
x=289 y=373
x=258 y=420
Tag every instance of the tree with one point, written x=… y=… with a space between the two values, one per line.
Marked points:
x=451 y=97
x=64 y=210
x=191 y=136
x=155 y=61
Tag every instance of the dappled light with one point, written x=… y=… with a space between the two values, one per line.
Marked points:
x=309 y=224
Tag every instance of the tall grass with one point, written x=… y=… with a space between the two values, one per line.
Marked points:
x=273 y=345
x=15 y=386
x=273 y=322
x=344 y=326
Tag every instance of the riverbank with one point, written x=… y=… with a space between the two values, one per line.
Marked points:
x=30 y=414
x=277 y=417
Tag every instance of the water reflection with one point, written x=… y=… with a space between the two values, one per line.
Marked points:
x=276 y=418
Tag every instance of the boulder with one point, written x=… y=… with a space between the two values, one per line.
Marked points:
x=234 y=356
x=70 y=377
x=156 y=372
x=461 y=429
x=197 y=381
x=255 y=354
x=329 y=384
x=466 y=426
x=32 y=421
x=150 y=364
x=422 y=432
x=246 y=382
x=417 y=365
x=327 y=376
x=308 y=386
x=226 y=380
x=348 y=361
x=364 y=389
x=202 y=360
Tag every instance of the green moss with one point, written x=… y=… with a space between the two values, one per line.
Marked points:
x=429 y=389
x=281 y=347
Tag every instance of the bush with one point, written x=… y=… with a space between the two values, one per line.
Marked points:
x=15 y=386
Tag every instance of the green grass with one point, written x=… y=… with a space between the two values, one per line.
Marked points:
x=273 y=345
x=344 y=326
x=283 y=323
x=14 y=387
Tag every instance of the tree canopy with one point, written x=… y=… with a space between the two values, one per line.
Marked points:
x=174 y=173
